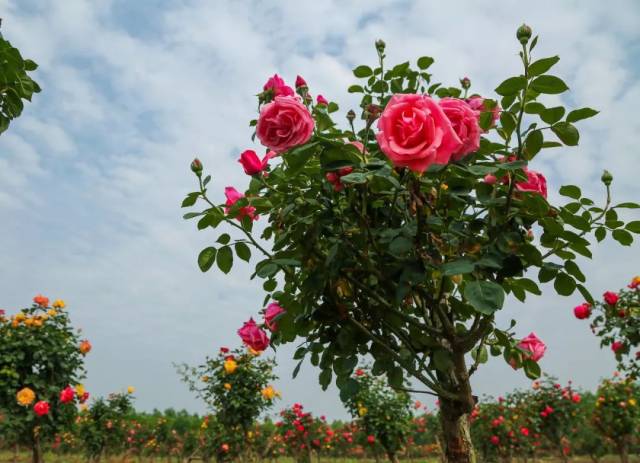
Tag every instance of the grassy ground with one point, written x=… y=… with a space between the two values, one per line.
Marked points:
x=7 y=457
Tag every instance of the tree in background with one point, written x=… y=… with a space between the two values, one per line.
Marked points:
x=15 y=83
x=300 y=433
x=384 y=414
x=617 y=413
x=616 y=320
x=41 y=359
x=102 y=426
x=236 y=385
x=400 y=236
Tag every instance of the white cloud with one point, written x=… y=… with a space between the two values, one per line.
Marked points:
x=92 y=174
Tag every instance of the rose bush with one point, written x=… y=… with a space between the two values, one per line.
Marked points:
x=381 y=412
x=407 y=255
x=616 y=321
x=236 y=386
x=40 y=361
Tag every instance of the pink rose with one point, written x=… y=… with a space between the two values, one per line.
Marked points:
x=536 y=183
x=534 y=346
x=283 y=124
x=277 y=86
x=490 y=179
x=252 y=164
x=477 y=103
x=415 y=132
x=253 y=336
x=464 y=121
x=300 y=82
x=233 y=196
x=272 y=311
x=617 y=346
x=321 y=100
x=582 y=311
x=610 y=298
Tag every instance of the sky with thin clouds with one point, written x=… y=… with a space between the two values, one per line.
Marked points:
x=93 y=173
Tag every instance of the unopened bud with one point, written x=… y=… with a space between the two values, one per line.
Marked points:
x=196 y=167
x=465 y=82
x=523 y=34
x=351 y=116
x=606 y=178
x=300 y=82
x=380 y=46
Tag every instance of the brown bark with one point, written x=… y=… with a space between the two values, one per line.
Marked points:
x=623 y=450
x=454 y=416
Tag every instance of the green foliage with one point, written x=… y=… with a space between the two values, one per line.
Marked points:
x=102 y=426
x=15 y=83
x=381 y=412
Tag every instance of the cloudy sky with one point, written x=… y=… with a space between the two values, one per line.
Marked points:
x=92 y=174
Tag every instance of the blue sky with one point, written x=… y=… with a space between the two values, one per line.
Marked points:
x=92 y=175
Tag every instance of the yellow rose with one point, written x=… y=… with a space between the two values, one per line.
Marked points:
x=59 y=304
x=131 y=390
x=52 y=313
x=269 y=393
x=205 y=379
x=632 y=402
x=29 y=322
x=230 y=366
x=80 y=390
x=362 y=411
x=25 y=396
x=227 y=386
x=21 y=317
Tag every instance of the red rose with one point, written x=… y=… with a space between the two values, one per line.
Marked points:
x=233 y=196
x=272 y=311
x=276 y=86
x=464 y=121
x=582 y=311
x=495 y=440
x=252 y=164
x=610 y=298
x=41 y=300
x=371 y=439
x=67 y=395
x=617 y=346
x=536 y=183
x=41 y=408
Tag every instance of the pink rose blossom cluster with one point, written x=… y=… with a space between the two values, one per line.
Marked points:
x=253 y=335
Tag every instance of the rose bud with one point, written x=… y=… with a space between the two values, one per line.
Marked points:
x=196 y=167
x=524 y=34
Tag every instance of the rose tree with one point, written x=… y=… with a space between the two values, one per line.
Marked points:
x=616 y=320
x=236 y=385
x=383 y=413
x=40 y=360
x=400 y=236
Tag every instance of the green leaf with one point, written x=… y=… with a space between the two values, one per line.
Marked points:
x=190 y=200
x=552 y=115
x=363 y=71
x=582 y=113
x=586 y=294
x=424 y=62
x=564 y=284
x=355 y=89
x=325 y=378
x=206 y=258
x=480 y=354
x=354 y=177
x=627 y=206
x=533 y=143
x=633 y=227
x=623 y=237
x=531 y=369
x=551 y=85
x=542 y=65
x=400 y=246
x=601 y=233
x=511 y=86
x=485 y=296
x=567 y=133
x=224 y=259
x=442 y=360
x=457 y=267
x=572 y=268
x=243 y=251
x=571 y=191
x=224 y=238
x=267 y=270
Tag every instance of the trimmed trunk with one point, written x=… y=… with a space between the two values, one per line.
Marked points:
x=456 y=436
x=393 y=458
x=36 y=452
x=454 y=416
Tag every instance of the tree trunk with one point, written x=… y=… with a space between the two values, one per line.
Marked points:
x=456 y=435
x=454 y=416
x=623 y=450
x=393 y=458
x=36 y=452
